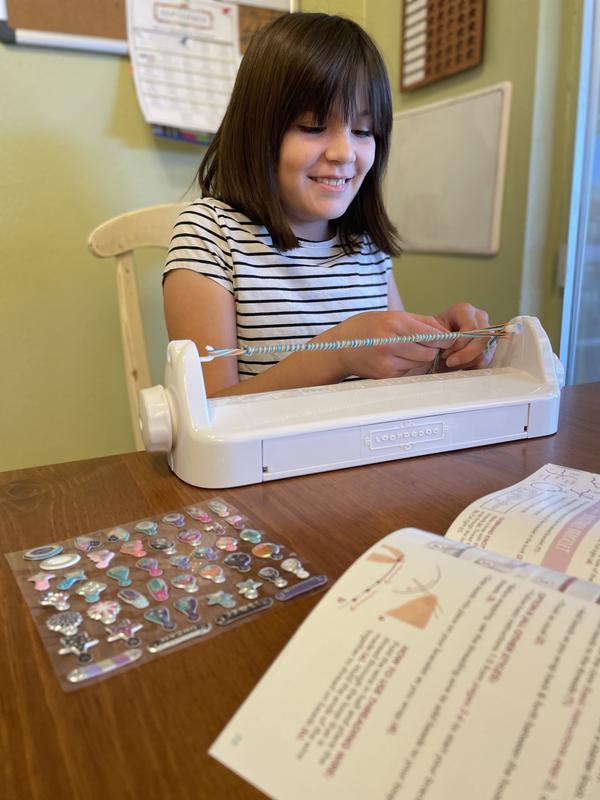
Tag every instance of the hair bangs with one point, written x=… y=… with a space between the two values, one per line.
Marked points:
x=334 y=77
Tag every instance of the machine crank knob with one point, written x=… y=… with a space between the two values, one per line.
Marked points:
x=156 y=422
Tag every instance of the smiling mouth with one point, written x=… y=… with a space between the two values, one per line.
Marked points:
x=332 y=181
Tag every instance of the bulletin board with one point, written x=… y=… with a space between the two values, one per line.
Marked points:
x=100 y=25
x=445 y=180
x=88 y=18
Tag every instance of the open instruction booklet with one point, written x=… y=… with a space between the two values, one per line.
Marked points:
x=435 y=668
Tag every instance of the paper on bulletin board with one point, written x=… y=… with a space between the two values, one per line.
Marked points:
x=184 y=59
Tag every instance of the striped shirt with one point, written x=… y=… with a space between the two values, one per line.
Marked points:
x=288 y=296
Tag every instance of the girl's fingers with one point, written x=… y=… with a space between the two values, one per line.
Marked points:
x=468 y=354
x=469 y=349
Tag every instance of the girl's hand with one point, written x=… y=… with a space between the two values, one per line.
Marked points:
x=466 y=353
x=386 y=361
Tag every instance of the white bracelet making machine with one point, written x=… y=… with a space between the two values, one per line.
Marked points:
x=231 y=441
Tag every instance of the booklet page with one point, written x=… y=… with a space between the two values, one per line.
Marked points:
x=423 y=676
x=552 y=518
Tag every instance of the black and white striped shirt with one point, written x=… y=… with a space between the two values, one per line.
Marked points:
x=279 y=296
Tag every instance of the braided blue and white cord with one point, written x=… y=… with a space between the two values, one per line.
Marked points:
x=339 y=344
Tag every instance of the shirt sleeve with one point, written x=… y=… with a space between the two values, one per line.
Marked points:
x=198 y=243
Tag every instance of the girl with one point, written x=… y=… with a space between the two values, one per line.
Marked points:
x=290 y=240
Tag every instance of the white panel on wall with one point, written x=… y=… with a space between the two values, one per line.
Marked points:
x=445 y=177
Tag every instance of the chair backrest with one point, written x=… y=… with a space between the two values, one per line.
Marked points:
x=119 y=238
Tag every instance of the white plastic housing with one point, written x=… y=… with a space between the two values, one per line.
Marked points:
x=232 y=441
x=156 y=423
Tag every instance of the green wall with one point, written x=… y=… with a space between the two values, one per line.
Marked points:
x=75 y=151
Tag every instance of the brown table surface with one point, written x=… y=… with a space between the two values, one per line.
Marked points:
x=145 y=733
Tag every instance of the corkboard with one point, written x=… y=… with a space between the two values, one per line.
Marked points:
x=439 y=38
x=106 y=18
x=251 y=18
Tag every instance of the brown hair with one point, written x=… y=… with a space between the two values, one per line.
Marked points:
x=300 y=63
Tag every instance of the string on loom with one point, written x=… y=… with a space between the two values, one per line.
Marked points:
x=493 y=332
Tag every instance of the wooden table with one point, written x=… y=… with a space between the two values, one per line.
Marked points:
x=145 y=733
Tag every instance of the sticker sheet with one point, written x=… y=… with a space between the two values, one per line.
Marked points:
x=121 y=596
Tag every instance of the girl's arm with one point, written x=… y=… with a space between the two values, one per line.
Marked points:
x=394 y=300
x=199 y=309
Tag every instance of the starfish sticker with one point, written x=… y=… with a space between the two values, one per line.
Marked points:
x=249 y=588
x=125 y=629
x=221 y=598
x=78 y=644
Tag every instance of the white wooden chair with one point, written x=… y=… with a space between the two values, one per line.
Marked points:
x=120 y=237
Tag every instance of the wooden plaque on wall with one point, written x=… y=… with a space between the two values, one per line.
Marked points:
x=439 y=39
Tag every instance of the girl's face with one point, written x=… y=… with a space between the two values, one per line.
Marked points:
x=321 y=168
